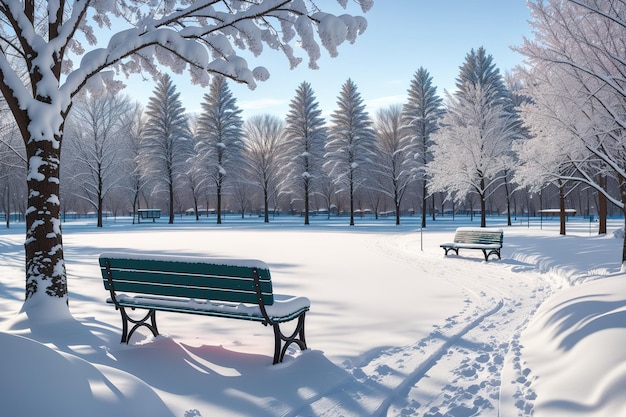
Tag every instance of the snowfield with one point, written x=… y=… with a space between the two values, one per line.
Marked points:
x=395 y=328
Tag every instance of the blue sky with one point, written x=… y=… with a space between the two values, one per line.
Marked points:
x=402 y=35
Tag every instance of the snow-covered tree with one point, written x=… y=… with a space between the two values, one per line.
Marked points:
x=218 y=139
x=166 y=143
x=553 y=119
x=395 y=164
x=134 y=183
x=264 y=155
x=350 y=148
x=50 y=52
x=473 y=148
x=582 y=42
x=95 y=132
x=305 y=136
x=421 y=115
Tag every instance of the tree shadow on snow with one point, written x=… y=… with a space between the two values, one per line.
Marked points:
x=585 y=316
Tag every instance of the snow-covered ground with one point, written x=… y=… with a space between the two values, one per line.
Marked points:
x=395 y=328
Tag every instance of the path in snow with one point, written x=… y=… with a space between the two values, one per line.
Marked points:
x=464 y=366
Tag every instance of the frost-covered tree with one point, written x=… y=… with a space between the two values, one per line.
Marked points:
x=95 y=133
x=166 y=143
x=421 y=115
x=583 y=42
x=473 y=148
x=194 y=178
x=218 y=146
x=50 y=52
x=305 y=136
x=350 y=148
x=395 y=164
x=553 y=119
x=134 y=183
x=264 y=155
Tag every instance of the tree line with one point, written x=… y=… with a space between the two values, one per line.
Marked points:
x=468 y=151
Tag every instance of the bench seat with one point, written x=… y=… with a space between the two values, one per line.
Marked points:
x=285 y=307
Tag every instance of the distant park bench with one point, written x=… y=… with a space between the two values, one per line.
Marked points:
x=486 y=239
x=149 y=214
x=236 y=289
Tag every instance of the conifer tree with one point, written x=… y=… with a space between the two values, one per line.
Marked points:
x=305 y=136
x=420 y=116
x=218 y=141
x=351 y=143
x=166 y=142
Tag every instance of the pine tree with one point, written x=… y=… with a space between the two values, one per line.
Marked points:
x=351 y=143
x=305 y=136
x=479 y=70
x=166 y=142
x=218 y=143
x=421 y=115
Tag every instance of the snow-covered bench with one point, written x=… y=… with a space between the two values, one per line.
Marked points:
x=237 y=289
x=488 y=240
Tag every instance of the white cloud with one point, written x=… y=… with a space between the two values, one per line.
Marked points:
x=263 y=103
x=385 y=101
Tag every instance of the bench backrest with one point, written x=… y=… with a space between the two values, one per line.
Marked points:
x=188 y=277
x=483 y=236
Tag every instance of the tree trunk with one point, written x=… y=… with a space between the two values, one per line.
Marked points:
x=7 y=210
x=218 y=209
x=602 y=207
x=397 y=214
x=351 y=204
x=622 y=189
x=483 y=206
x=433 y=207
x=561 y=208
x=508 y=202
x=45 y=267
x=266 y=207
x=623 y=269
x=424 y=190
x=100 y=210
x=171 y=202
x=306 y=203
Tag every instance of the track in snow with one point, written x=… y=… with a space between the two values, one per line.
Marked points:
x=463 y=367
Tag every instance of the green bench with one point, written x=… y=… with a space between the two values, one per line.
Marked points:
x=489 y=240
x=236 y=289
